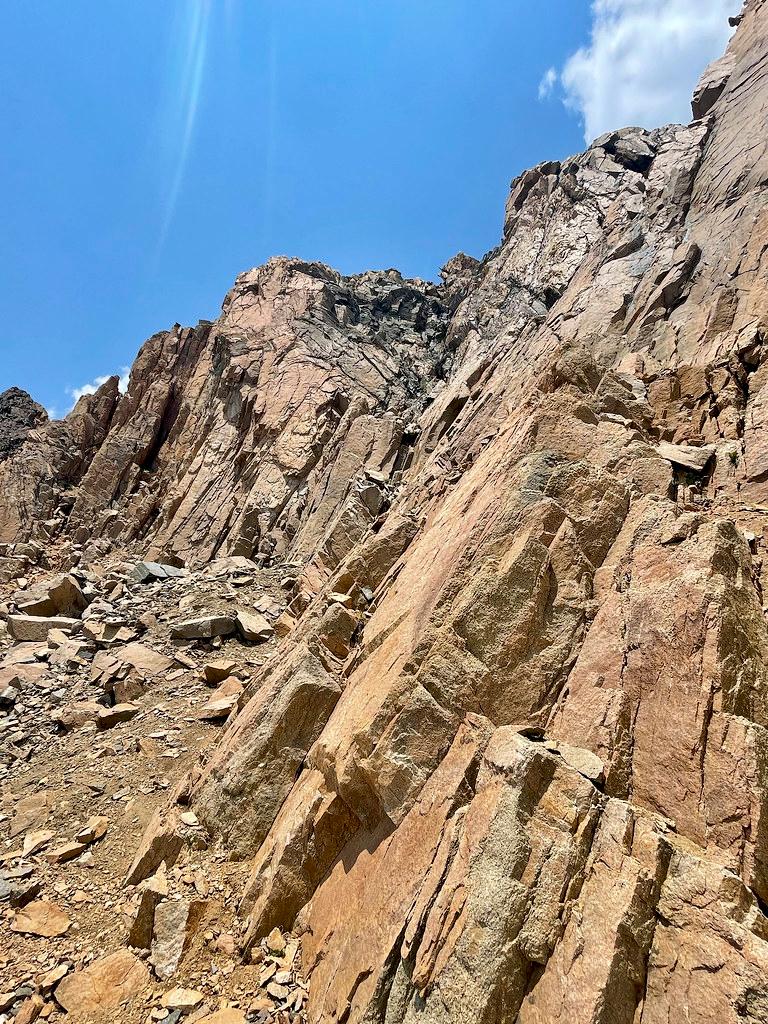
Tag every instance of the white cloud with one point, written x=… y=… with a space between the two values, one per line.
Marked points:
x=93 y=386
x=87 y=389
x=643 y=61
x=547 y=83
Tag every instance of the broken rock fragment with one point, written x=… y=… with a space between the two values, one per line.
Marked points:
x=217 y=671
x=104 y=985
x=153 y=891
x=65 y=853
x=174 y=927
x=149 y=572
x=30 y=628
x=95 y=829
x=205 y=628
x=254 y=627
x=222 y=701
x=162 y=843
x=184 y=999
x=687 y=456
x=109 y=717
x=41 y=918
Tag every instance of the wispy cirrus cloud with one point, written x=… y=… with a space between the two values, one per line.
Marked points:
x=642 y=63
x=187 y=61
x=548 y=82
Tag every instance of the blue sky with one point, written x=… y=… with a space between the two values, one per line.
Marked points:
x=153 y=150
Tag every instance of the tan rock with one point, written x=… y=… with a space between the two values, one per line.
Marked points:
x=109 y=717
x=77 y=715
x=31 y=628
x=277 y=727
x=144 y=659
x=103 y=985
x=153 y=891
x=222 y=701
x=162 y=843
x=184 y=999
x=36 y=841
x=228 y=1015
x=254 y=627
x=51 y=978
x=63 y=854
x=217 y=671
x=30 y=1010
x=67 y=596
x=94 y=830
x=336 y=629
x=42 y=918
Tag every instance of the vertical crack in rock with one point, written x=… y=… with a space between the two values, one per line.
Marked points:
x=476 y=571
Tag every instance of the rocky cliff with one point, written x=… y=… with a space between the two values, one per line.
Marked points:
x=507 y=759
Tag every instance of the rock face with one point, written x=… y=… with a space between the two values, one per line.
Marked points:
x=508 y=758
x=19 y=415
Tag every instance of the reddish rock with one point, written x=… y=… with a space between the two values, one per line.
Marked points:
x=507 y=759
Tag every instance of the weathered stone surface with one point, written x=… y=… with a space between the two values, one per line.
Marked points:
x=104 y=985
x=711 y=85
x=41 y=918
x=67 y=596
x=33 y=628
x=205 y=628
x=162 y=843
x=184 y=999
x=226 y=1016
x=153 y=891
x=224 y=699
x=174 y=927
x=144 y=572
x=254 y=627
x=505 y=759
x=217 y=671
x=252 y=773
x=109 y=717
x=30 y=1010
x=145 y=660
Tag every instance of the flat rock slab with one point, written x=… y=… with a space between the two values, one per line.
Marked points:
x=206 y=628
x=119 y=713
x=104 y=985
x=41 y=918
x=686 y=455
x=34 y=629
x=144 y=659
x=184 y=999
x=149 y=572
x=254 y=627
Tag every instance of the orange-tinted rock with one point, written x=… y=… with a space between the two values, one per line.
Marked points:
x=41 y=918
x=103 y=985
x=508 y=759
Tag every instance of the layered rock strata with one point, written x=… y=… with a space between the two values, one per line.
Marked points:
x=509 y=762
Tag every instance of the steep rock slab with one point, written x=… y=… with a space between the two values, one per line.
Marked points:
x=255 y=768
x=466 y=894
x=670 y=690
